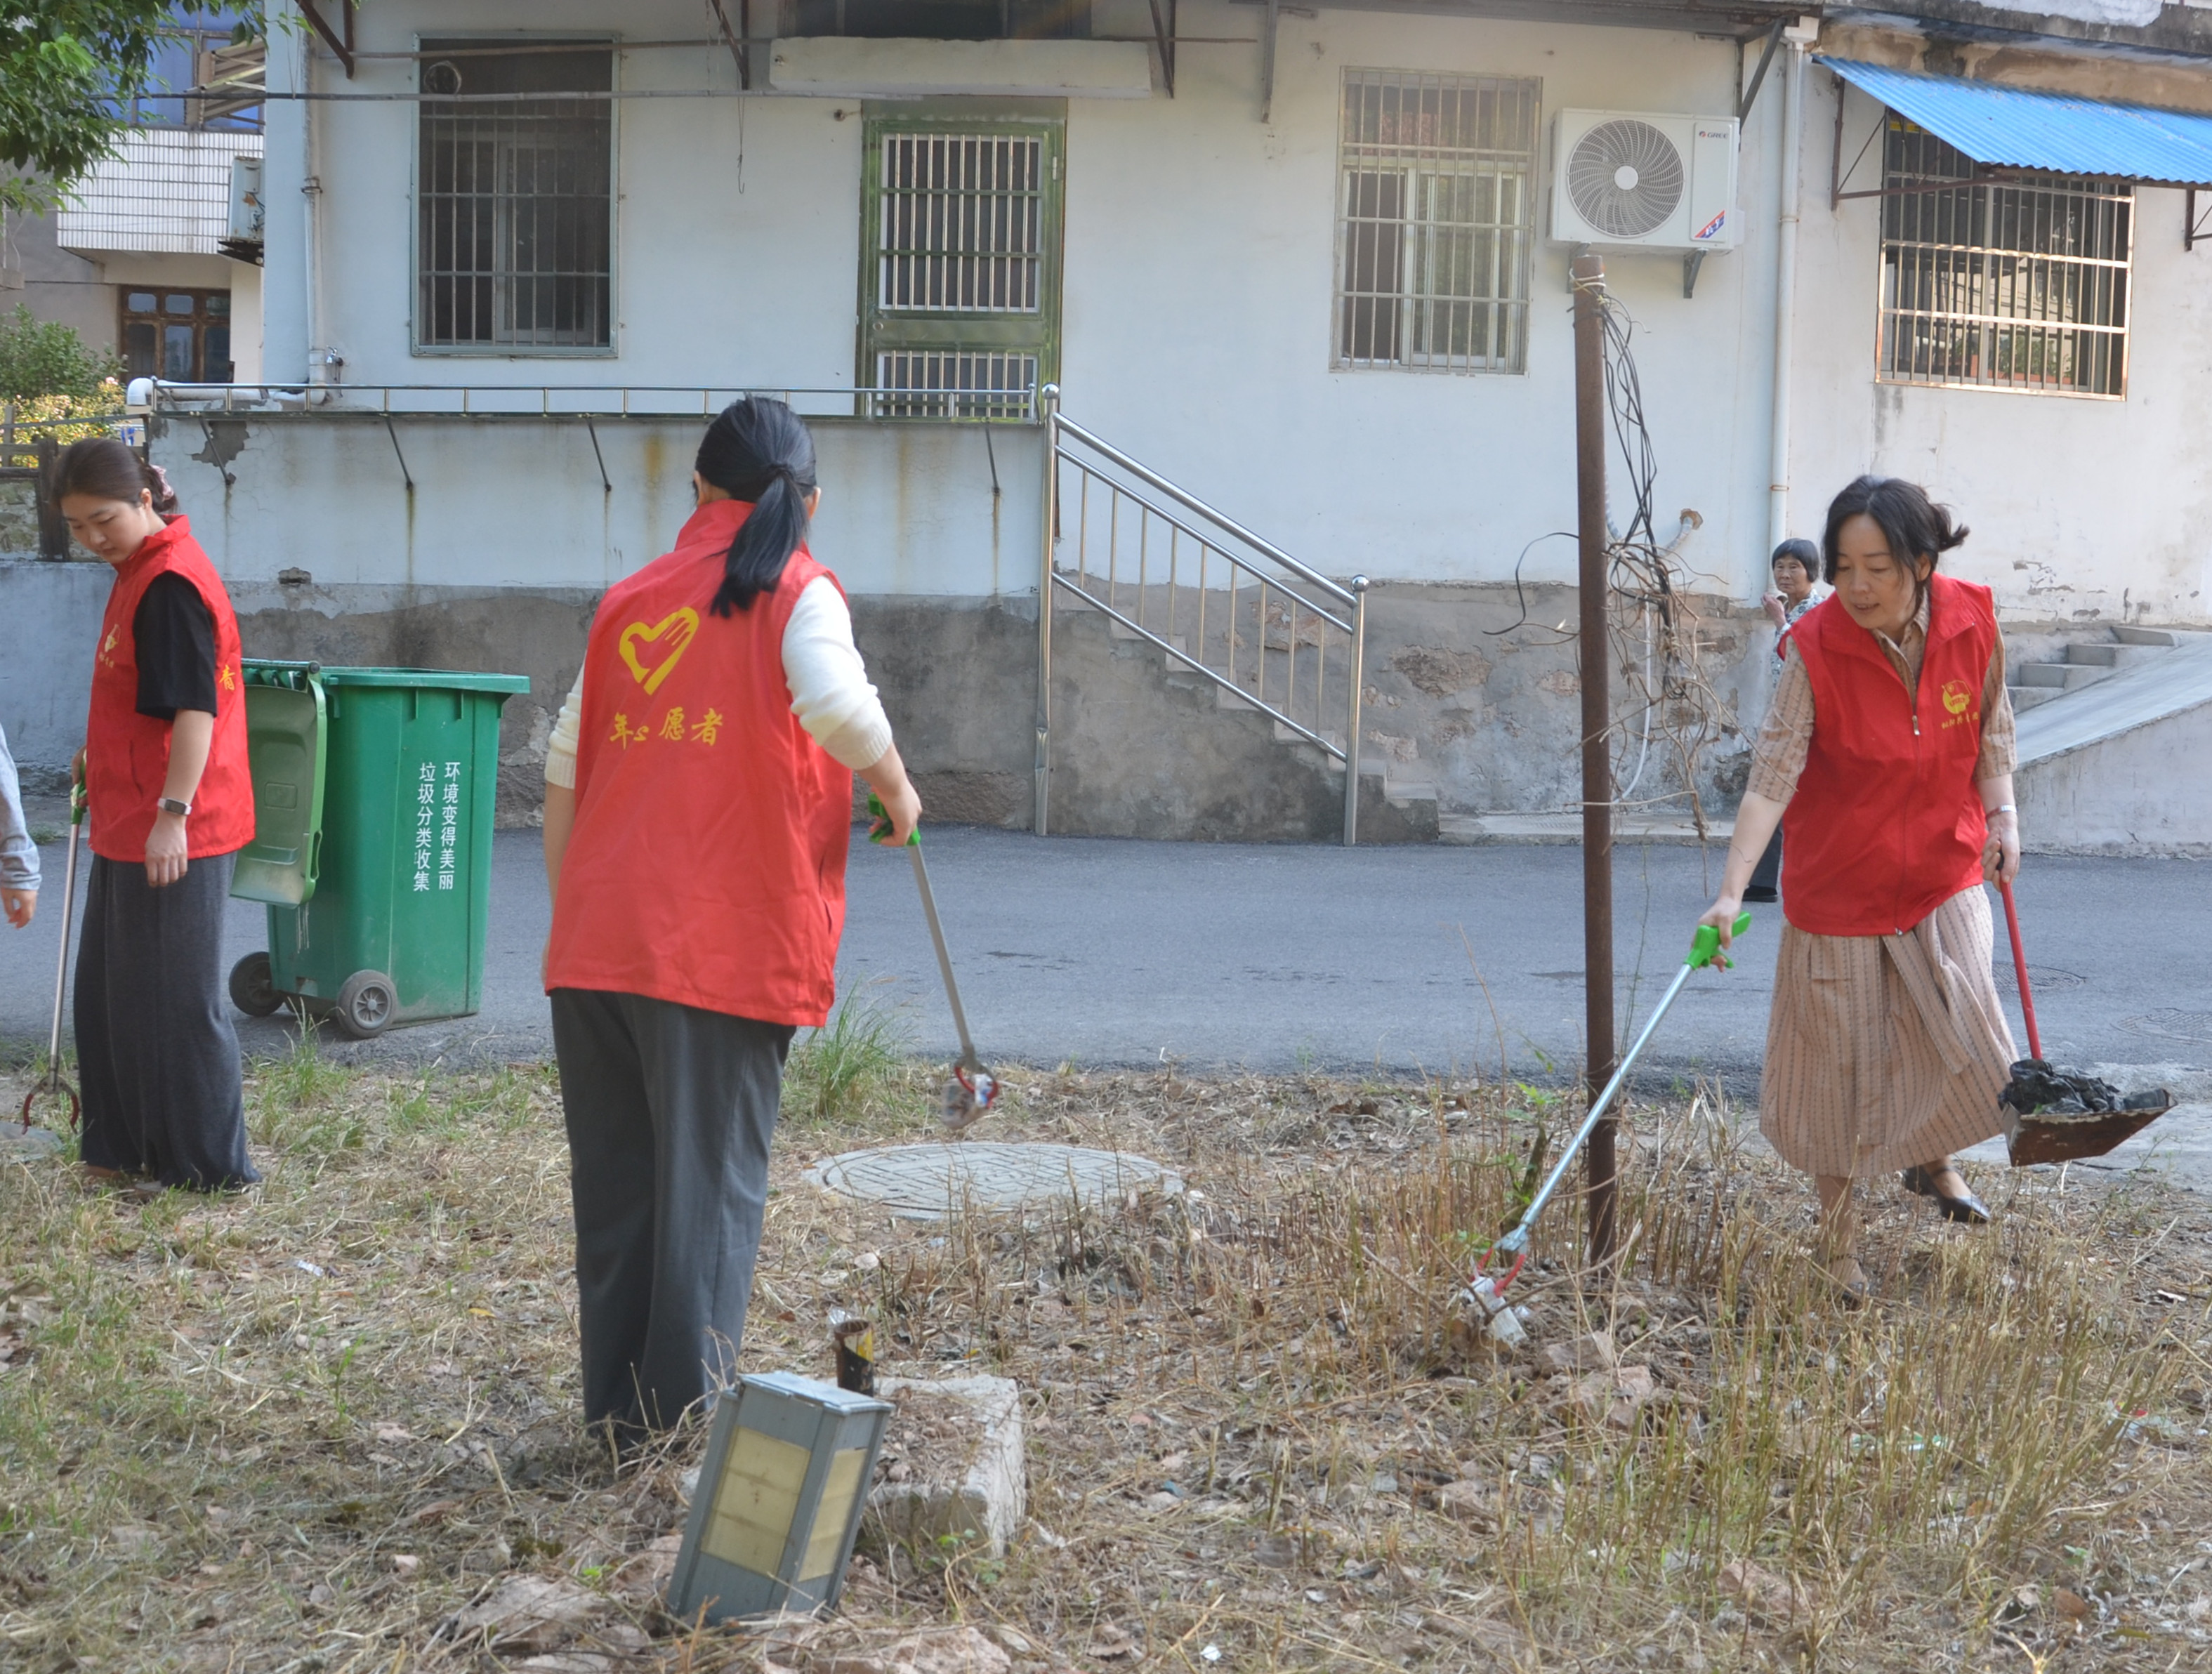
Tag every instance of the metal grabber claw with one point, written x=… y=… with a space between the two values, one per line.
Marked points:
x=1487 y=1294
x=53 y=1086
x=972 y=1087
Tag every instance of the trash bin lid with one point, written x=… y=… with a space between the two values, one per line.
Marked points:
x=446 y=679
x=286 y=746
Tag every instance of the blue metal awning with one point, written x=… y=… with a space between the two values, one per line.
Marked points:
x=2050 y=132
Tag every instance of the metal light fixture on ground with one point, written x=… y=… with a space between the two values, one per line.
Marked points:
x=778 y=1500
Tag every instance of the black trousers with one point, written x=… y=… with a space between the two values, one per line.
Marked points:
x=670 y=1111
x=1767 y=874
x=155 y=1050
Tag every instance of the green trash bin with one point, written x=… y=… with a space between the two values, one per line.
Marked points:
x=373 y=797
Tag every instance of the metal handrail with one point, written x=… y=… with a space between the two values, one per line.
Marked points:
x=1220 y=521
x=568 y=399
x=1304 y=612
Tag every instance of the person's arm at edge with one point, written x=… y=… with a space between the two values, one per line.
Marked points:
x=19 y=856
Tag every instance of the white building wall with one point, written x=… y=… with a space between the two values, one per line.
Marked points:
x=1200 y=253
x=2082 y=511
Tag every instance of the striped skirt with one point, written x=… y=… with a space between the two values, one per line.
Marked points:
x=1886 y=1051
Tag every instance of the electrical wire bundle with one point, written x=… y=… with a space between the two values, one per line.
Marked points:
x=1672 y=694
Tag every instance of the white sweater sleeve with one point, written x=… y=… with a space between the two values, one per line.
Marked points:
x=560 y=747
x=830 y=689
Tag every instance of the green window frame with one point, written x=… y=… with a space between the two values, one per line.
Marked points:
x=960 y=265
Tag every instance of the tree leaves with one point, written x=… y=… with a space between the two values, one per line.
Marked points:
x=68 y=71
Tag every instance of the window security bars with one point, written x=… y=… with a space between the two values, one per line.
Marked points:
x=1267 y=631
x=2003 y=285
x=929 y=384
x=514 y=245
x=1437 y=222
x=960 y=218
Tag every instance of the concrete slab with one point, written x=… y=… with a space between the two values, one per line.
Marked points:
x=929 y=1182
x=952 y=1466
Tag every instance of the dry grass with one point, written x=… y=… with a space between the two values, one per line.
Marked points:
x=300 y=1429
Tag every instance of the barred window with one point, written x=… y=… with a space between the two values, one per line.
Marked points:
x=2002 y=285
x=962 y=224
x=1437 y=222
x=514 y=247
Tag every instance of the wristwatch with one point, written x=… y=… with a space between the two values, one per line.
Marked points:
x=171 y=805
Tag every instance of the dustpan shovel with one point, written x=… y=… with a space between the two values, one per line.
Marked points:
x=2058 y=1116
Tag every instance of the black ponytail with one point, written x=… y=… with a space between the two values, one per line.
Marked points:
x=758 y=450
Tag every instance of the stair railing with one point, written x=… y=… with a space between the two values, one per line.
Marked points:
x=1219 y=600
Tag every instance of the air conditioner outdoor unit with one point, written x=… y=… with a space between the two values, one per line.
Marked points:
x=1635 y=181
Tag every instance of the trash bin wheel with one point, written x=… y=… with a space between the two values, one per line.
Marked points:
x=253 y=986
x=366 y=1005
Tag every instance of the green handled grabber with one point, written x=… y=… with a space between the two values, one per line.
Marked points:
x=1490 y=1294
x=972 y=1087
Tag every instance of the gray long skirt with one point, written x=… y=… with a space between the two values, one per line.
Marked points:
x=156 y=1053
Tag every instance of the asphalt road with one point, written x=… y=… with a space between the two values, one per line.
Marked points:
x=1111 y=952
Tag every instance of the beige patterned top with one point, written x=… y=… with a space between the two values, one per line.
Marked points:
x=1786 y=736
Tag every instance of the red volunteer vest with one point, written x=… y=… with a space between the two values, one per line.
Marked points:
x=708 y=862
x=127 y=754
x=1887 y=824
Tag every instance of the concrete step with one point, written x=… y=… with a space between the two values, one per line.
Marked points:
x=2025 y=698
x=2146 y=636
x=1284 y=734
x=2066 y=677
x=2115 y=655
x=1656 y=826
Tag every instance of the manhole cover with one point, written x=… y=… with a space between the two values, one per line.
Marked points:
x=923 y=1182
x=2194 y=1027
x=2039 y=976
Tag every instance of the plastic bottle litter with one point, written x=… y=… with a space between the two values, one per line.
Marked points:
x=1500 y=1319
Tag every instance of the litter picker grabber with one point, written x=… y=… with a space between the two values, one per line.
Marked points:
x=972 y=1087
x=2058 y=1116
x=1489 y=1294
x=54 y=1086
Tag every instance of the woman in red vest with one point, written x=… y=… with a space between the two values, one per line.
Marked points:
x=1886 y=758
x=698 y=802
x=170 y=804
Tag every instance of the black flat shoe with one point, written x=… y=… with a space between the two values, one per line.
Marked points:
x=1969 y=1209
x=1760 y=893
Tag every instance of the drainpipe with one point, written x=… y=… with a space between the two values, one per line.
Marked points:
x=1797 y=38
x=310 y=189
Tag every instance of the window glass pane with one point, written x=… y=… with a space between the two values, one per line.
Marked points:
x=177 y=354
x=514 y=202
x=138 y=349
x=178 y=302
x=139 y=302
x=216 y=345
x=218 y=305
x=1438 y=225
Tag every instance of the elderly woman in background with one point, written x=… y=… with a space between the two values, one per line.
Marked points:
x=1887 y=757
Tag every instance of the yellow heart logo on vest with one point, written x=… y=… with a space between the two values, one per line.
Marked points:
x=1956 y=696
x=679 y=627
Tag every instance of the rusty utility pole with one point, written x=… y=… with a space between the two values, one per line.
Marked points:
x=1595 y=650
